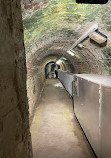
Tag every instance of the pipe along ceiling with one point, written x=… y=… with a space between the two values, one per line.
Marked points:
x=53 y=27
x=63 y=29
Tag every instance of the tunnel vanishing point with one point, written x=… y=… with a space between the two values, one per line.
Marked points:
x=54 y=57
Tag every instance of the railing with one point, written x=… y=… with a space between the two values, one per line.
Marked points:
x=66 y=79
x=92 y=107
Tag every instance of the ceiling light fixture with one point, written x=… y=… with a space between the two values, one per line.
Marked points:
x=59 y=62
x=98 y=37
x=71 y=53
x=63 y=58
x=92 y=29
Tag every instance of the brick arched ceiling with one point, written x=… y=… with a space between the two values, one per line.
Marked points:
x=51 y=27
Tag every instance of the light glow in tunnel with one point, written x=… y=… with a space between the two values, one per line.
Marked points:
x=52 y=27
x=64 y=35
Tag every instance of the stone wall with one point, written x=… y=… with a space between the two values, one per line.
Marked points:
x=36 y=78
x=52 y=31
x=61 y=23
x=15 y=141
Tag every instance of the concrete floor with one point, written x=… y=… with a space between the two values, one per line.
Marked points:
x=55 y=131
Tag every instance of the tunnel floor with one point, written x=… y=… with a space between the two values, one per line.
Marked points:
x=55 y=131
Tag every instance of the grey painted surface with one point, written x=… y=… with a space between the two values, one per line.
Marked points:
x=92 y=107
x=66 y=78
x=106 y=123
x=86 y=108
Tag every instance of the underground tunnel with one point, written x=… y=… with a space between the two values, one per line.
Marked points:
x=55 y=80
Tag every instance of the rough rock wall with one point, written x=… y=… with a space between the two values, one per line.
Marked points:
x=15 y=141
x=65 y=21
x=36 y=79
x=54 y=28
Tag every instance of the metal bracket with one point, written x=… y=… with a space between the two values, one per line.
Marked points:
x=92 y=29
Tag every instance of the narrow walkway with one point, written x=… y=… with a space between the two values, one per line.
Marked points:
x=55 y=131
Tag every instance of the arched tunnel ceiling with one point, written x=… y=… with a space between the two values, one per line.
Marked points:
x=51 y=27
